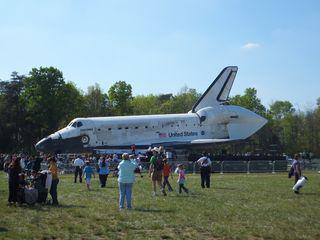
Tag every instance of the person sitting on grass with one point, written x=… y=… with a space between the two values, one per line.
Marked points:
x=181 y=178
x=126 y=179
x=87 y=173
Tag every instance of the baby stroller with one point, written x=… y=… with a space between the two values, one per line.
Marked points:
x=43 y=183
x=26 y=193
x=30 y=196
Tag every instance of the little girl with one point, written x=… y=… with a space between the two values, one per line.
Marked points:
x=181 y=178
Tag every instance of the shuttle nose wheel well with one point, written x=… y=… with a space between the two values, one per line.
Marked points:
x=85 y=139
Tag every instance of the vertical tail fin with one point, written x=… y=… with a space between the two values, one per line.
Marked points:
x=219 y=90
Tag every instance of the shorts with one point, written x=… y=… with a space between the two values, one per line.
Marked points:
x=156 y=176
x=88 y=180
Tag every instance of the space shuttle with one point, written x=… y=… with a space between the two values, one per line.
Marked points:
x=209 y=121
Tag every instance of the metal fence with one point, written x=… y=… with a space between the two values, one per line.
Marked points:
x=234 y=166
x=313 y=164
x=261 y=166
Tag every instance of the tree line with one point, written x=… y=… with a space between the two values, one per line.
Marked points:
x=33 y=106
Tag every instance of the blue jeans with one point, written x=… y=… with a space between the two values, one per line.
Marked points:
x=53 y=191
x=125 y=190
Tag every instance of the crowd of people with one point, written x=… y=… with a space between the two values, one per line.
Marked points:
x=23 y=182
x=25 y=175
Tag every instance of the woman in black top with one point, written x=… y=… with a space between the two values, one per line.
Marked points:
x=13 y=171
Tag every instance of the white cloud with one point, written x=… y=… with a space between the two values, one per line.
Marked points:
x=250 y=46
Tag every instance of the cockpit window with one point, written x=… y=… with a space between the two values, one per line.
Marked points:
x=75 y=124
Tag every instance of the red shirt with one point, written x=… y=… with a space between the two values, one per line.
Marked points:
x=166 y=170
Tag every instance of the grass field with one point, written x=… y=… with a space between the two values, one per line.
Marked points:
x=238 y=206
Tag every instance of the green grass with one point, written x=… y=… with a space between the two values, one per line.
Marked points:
x=238 y=206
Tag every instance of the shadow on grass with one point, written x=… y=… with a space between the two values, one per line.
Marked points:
x=192 y=194
x=311 y=194
x=225 y=188
x=69 y=206
x=153 y=210
x=2 y=229
x=47 y=207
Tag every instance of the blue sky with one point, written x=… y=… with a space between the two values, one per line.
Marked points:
x=161 y=46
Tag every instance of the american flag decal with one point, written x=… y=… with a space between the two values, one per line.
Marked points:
x=162 y=135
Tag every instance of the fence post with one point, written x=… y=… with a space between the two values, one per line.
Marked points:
x=248 y=167
x=273 y=163
x=221 y=167
x=194 y=167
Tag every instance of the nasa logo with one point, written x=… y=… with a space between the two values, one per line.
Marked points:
x=202 y=132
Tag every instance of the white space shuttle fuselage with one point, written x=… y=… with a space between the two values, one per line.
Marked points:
x=210 y=121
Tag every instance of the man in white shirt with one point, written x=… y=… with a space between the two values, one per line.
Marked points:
x=205 y=170
x=78 y=163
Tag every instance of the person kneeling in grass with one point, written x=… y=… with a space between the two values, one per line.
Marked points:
x=126 y=179
x=181 y=178
x=87 y=173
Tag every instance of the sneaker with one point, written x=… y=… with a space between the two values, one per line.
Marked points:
x=164 y=193
x=154 y=194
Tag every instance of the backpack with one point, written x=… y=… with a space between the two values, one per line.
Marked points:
x=158 y=165
x=291 y=171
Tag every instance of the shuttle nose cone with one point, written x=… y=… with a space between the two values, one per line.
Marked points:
x=43 y=144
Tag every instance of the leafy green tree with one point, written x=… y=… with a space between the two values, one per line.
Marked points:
x=184 y=100
x=279 y=109
x=74 y=101
x=12 y=113
x=95 y=102
x=250 y=101
x=120 y=96
x=145 y=105
x=49 y=101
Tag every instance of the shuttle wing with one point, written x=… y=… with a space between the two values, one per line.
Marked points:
x=218 y=91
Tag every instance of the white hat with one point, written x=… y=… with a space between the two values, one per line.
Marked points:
x=155 y=149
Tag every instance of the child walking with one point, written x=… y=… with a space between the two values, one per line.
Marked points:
x=181 y=178
x=166 y=173
x=88 y=172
